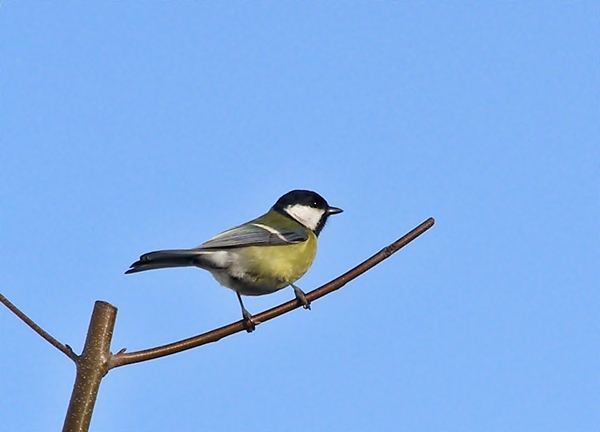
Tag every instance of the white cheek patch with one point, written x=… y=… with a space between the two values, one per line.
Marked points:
x=307 y=216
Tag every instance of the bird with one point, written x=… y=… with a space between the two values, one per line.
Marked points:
x=258 y=257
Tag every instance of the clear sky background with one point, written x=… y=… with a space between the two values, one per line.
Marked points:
x=132 y=126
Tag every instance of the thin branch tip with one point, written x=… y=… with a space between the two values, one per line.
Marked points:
x=65 y=349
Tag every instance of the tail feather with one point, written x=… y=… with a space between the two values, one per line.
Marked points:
x=164 y=259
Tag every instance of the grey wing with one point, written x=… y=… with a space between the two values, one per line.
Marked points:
x=254 y=235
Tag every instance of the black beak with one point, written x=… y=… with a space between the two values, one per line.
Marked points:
x=334 y=210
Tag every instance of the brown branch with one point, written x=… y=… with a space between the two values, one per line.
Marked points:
x=91 y=368
x=121 y=358
x=65 y=349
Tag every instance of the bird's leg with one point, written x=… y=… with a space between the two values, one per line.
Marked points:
x=249 y=322
x=301 y=297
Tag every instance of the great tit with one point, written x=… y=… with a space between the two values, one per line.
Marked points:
x=261 y=256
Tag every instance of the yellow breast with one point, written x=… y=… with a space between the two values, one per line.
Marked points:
x=274 y=267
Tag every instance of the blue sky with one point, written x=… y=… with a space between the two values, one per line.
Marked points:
x=131 y=126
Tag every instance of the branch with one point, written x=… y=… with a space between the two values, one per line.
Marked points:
x=91 y=368
x=65 y=349
x=121 y=359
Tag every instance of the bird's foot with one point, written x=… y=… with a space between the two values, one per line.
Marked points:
x=301 y=297
x=249 y=321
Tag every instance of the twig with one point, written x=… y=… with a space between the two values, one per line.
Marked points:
x=122 y=358
x=65 y=349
